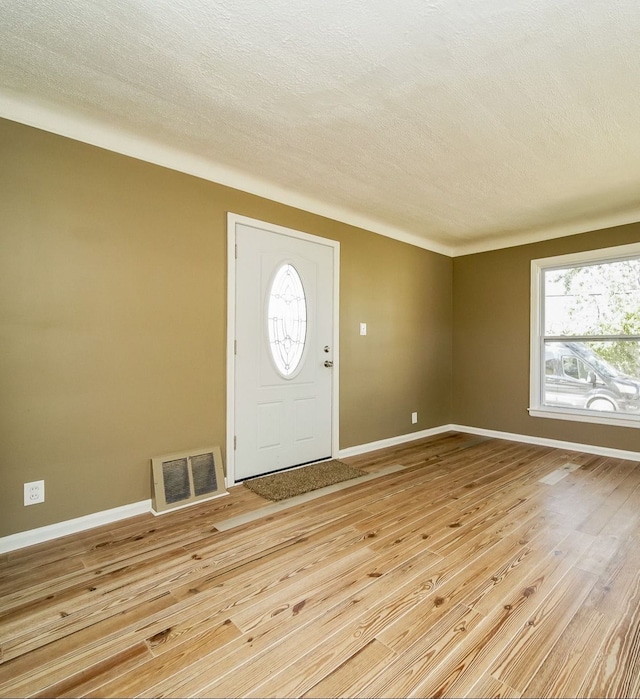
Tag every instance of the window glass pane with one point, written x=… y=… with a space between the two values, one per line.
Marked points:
x=570 y=367
x=600 y=376
x=598 y=299
x=287 y=319
x=616 y=357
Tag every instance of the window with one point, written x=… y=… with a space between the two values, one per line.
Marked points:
x=585 y=336
x=287 y=320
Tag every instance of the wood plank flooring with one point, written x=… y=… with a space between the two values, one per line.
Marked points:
x=460 y=575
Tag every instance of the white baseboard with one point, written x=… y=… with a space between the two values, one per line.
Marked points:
x=510 y=436
x=555 y=443
x=97 y=519
x=392 y=441
x=72 y=526
x=159 y=513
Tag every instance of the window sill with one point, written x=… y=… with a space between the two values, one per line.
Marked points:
x=616 y=420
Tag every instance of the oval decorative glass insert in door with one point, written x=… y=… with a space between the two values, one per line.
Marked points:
x=287 y=320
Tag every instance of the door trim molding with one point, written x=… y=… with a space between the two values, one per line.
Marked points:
x=233 y=220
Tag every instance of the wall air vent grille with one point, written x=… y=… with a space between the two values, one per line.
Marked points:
x=186 y=478
x=204 y=473
x=175 y=476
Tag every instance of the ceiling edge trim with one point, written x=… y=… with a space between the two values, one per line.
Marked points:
x=55 y=120
x=93 y=132
x=596 y=223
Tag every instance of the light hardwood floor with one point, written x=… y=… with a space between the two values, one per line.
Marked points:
x=461 y=575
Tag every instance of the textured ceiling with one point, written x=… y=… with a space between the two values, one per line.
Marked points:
x=457 y=125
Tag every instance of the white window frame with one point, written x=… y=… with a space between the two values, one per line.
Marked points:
x=537 y=373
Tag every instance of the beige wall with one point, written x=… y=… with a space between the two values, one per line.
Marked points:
x=491 y=341
x=112 y=326
x=112 y=323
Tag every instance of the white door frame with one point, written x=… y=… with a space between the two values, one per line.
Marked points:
x=233 y=220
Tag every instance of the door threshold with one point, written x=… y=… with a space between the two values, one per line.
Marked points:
x=285 y=469
x=275 y=507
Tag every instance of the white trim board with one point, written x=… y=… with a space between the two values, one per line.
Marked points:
x=47 y=116
x=72 y=526
x=496 y=434
x=392 y=441
x=545 y=442
x=62 y=122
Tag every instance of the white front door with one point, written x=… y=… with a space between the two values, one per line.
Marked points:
x=284 y=350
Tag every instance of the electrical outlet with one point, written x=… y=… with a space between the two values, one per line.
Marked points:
x=414 y=418
x=33 y=492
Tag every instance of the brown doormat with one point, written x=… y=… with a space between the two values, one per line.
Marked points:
x=287 y=484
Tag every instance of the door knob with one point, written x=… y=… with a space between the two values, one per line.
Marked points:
x=328 y=364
